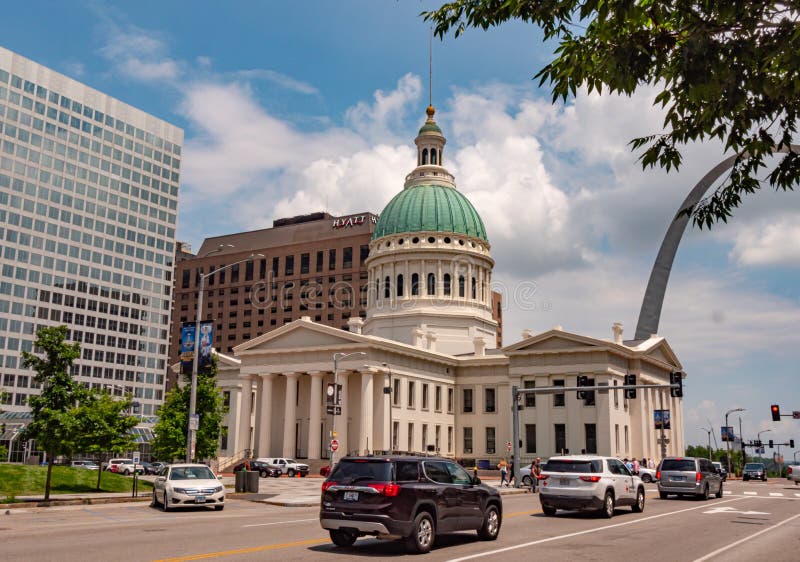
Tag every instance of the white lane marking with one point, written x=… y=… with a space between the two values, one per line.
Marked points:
x=727 y=493
x=797 y=495
x=586 y=532
x=776 y=494
x=726 y=509
x=761 y=532
x=750 y=493
x=281 y=522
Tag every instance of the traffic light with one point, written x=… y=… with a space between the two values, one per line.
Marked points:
x=582 y=381
x=791 y=443
x=757 y=444
x=630 y=393
x=676 y=391
x=771 y=444
x=776 y=412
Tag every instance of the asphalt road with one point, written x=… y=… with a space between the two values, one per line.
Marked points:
x=753 y=520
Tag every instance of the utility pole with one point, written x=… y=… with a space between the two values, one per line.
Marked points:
x=515 y=432
x=663 y=439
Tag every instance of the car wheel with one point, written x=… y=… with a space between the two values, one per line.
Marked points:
x=342 y=538
x=638 y=505
x=154 y=500
x=276 y=474
x=165 y=504
x=548 y=510
x=719 y=492
x=646 y=478
x=491 y=524
x=263 y=474
x=704 y=495
x=219 y=507
x=607 y=510
x=127 y=472
x=526 y=481
x=423 y=534
x=662 y=495
x=303 y=474
x=290 y=473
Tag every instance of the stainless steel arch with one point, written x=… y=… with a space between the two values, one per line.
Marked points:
x=650 y=313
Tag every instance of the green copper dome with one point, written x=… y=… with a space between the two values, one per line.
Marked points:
x=430 y=208
x=430 y=126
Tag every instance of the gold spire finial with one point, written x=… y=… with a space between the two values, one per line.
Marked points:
x=430 y=111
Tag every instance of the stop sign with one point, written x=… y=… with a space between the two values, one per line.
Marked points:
x=334 y=445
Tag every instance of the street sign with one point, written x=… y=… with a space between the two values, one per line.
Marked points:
x=508 y=446
x=137 y=458
x=796 y=415
x=334 y=410
x=334 y=445
x=194 y=422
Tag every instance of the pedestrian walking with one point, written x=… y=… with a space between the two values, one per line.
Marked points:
x=503 y=466
x=511 y=475
x=536 y=471
x=636 y=466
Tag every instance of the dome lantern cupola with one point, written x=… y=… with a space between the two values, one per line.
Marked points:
x=430 y=156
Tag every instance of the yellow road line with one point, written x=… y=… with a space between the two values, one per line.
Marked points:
x=519 y=513
x=248 y=550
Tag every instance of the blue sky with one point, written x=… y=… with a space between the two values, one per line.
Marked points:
x=315 y=105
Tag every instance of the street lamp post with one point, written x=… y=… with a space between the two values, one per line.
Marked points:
x=191 y=430
x=727 y=441
x=336 y=358
x=707 y=430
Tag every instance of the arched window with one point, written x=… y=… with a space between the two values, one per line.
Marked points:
x=424 y=156
x=461 y=288
x=386 y=284
x=433 y=156
x=400 y=285
x=474 y=288
x=431 y=284
x=447 y=284
x=415 y=284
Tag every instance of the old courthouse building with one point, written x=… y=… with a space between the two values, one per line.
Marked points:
x=429 y=335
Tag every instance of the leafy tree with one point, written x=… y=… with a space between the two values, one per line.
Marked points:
x=55 y=426
x=170 y=431
x=726 y=69
x=104 y=427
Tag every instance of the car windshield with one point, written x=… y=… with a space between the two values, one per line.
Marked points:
x=191 y=473
x=679 y=465
x=291 y=461
x=581 y=466
x=349 y=471
x=754 y=466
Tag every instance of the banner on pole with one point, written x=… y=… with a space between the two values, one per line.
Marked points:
x=661 y=419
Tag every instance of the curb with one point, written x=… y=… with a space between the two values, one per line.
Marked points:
x=291 y=503
x=78 y=501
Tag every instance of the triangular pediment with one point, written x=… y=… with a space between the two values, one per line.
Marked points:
x=662 y=351
x=298 y=335
x=553 y=340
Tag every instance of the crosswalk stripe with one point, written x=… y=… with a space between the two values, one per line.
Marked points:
x=727 y=492
x=776 y=494
x=797 y=495
x=750 y=493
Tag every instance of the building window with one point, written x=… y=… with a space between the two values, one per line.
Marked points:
x=248 y=271
x=467 y=440
x=415 y=284
x=447 y=284
x=424 y=436
x=590 y=401
x=530 y=437
x=185 y=278
x=364 y=250
x=627 y=444
x=474 y=289
x=289 y=265
x=490 y=440
x=320 y=258
x=396 y=392
x=437 y=398
x=489 y=400
x=331 y=259
x=558 y=399
x=591 y=438
x=387 y=287
x=226 y=398
x=400 y=285
x=275 y=266
x=410 y=437
x=424 y=399
x=347 y=257
x=449 y=438
x=616 y=396
x=410 y=394
x=395 y=433
x=561 y=438
x=530 y=399
x=461 y=287
x=449 y=399
x=616 y=438
x=467 y=400
x=305 y=261
x=431 y=284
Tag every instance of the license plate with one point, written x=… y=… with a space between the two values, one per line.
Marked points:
x=563 y=481
x=351 y=496
x=200 y=499
x=678 y=478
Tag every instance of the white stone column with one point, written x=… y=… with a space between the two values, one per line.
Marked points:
x=265 y=423
x=290 y=415
x=245 y=415
x=315 y=416
x=366 y=440
x=341 y=423
x=257 y=413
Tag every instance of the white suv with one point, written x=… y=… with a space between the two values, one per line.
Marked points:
x=589 y=482
x=290 y=467
x=123 y=466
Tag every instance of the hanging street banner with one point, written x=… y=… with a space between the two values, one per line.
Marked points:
x=206 y=343
x=661 y=419
x=728 y=434
x=187 y=345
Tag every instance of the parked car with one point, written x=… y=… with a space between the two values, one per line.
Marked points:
x=148 y=468
x=409 y=498
x=187 y=485
x=793 y=473
x=325 y=470
x=289 y=467
x=589 y=482
x=647 y=474
x=723 y=472
x=157 y=466
x=88 y=465
x=123 y=466
x=754 y=471
x=263 y=468
x=688 y=476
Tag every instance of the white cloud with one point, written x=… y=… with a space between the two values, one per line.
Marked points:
x=277 y=78
x=771 y=242
x=139 y=54
x=382 y=119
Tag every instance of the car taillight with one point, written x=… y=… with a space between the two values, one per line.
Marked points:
x=389 y=490
x=698 y=476
x=590 y=478
x=543 y=476
x=658 y=475
x=326 y=485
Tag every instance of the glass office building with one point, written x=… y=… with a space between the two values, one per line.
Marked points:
x=88 y=214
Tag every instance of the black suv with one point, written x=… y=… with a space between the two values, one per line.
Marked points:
x=409 y=498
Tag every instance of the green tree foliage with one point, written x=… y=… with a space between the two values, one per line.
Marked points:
x=55 y=426
x=104 y=425
x=170 y=432
x=726 y=69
